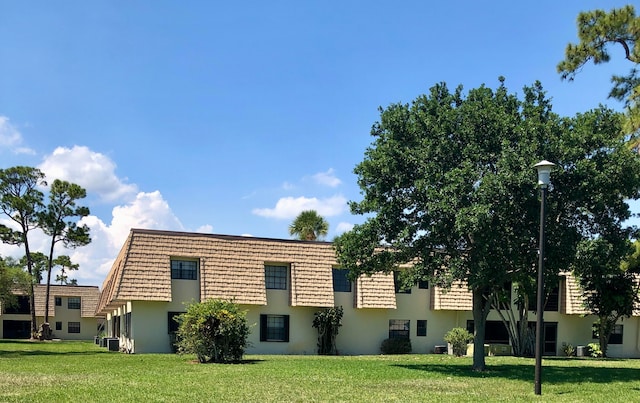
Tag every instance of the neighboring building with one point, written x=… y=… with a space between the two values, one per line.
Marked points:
x=282 y=283
x=71 y=313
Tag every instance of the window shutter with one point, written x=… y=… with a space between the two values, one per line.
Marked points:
x=286 y=328
x=263 y=327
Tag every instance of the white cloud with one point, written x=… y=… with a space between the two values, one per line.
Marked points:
x=205 y=229
x=343 y=227
x=93 y=171
x=327 y=178
x=289 y=207
x=11 y=138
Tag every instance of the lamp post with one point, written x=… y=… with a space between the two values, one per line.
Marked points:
x=544 y=173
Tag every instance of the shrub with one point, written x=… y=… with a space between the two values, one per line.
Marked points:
x=568 y=349
x=327 y=322
x=396 y=346
x=214 y=330
x=594 y=350
x=458 y=338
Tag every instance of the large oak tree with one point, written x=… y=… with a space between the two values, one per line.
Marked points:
x=448 y=184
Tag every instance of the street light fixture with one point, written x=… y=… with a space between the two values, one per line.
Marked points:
x=544 y=173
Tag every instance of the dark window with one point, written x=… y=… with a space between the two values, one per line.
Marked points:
x=275 y=277
x=421 y=328
x=398 y=329
x=73 y=303
x=127 y=324
x=73 y=327
x=58 y=325
x=58 y=302
x=341 y=281
x=398 y=284
x=423 y=284
x=274 y=328
x=495 y=332
x=173 y=324
x=184 y=269
x=115 y=326
x=20 y=307
x=553 y=301
x=614 y=338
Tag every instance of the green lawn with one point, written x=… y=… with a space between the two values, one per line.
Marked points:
x=84 y=372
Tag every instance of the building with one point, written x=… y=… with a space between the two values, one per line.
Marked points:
x=282 y=283
x=71 y=313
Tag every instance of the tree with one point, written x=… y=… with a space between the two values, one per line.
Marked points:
x=64 y=262
x=12 y=278
x=449 y=187
x=309 y=226
x=57 y=221
x=214 y=330
x=610 y=287
x=21 y=201
x=328 y=322
x=599 y=30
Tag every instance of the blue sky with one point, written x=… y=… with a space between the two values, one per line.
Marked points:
x=232 y=117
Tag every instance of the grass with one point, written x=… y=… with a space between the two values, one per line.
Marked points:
x=83 y=372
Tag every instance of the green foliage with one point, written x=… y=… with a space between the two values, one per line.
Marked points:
x=328 y=322
x=448 y=185
x=22 y=202
x=12 y=278
x=568 y=350
x=309 y=226
x=594 y=350
x=458 y=338
x=599 y=30
x=214 y=330
x=396 y=346
x=606 y=270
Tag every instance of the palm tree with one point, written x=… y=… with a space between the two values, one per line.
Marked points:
x=309 y=226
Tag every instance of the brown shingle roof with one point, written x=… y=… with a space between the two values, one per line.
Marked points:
x=457 y=298
x=231 y=267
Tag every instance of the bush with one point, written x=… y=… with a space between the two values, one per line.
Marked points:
x=214 y=330
x=458 y=338
x=327 y=322
x=396 y=346
x=568 y=349
x=594 y=350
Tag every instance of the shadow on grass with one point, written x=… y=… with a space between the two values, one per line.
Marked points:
x=550 y=374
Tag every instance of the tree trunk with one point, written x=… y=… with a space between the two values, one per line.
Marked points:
x=481 y=306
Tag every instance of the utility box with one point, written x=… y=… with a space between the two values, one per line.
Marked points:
x=113 y=344
x=500 y=349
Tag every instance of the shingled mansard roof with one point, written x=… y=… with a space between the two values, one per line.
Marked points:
x=232 y=267
x=89 y=296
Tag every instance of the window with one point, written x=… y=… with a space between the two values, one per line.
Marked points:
x=274 y=328
x=423 y=284
x=127 y=324
x=397 y=282
x=398 y=329
x=614 y=338
x=58 y=325
x=73 y=303
x=341 y=281
x=552 y=303
x=58 y=302
x=73 y=327
x=275 y=277
x=495 y=331
x=173 y=324
x=421 y=328
x=21 y=306
x=184 y=269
